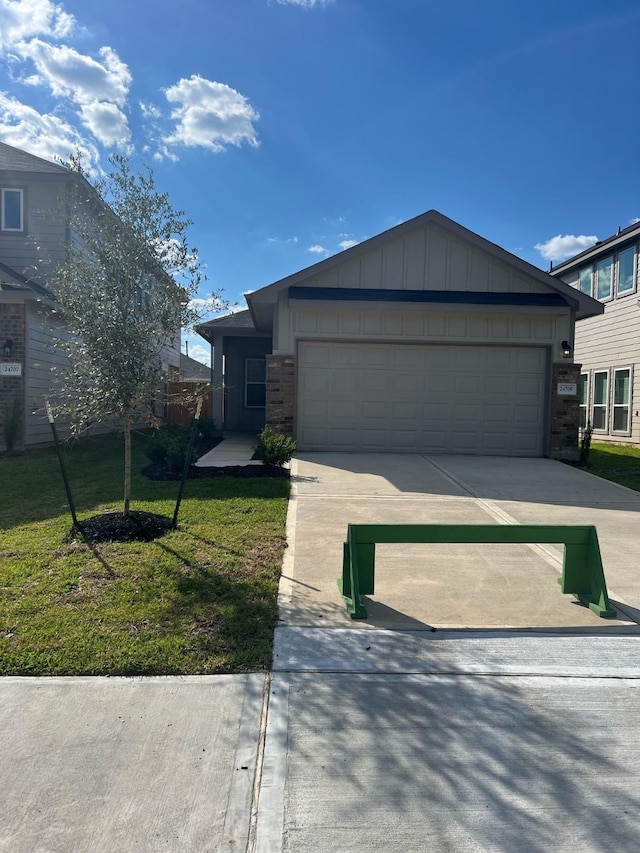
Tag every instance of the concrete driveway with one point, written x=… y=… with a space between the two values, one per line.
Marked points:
x=519 y=732
x=454 y=586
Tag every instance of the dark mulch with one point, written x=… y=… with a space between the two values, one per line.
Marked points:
x=138 y=526
x=159 y=472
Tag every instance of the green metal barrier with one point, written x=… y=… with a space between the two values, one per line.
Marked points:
x=582 y=572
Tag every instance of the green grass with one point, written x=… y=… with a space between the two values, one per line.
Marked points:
x=616 y=462
x=201 y=599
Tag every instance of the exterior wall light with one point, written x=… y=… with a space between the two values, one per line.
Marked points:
x=566 y=349
x=8 y=347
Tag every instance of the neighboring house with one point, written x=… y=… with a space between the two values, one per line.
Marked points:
x=30 y=188
x=192 y=370
x=608 y=346
x=426 y=338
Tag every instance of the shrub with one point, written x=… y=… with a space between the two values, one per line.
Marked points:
x=206 y=428
x=273 y=448
x=12 y=424
x=169 y=447
x=585 y=445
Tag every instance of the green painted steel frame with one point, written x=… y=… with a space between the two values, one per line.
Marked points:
x=582 y=571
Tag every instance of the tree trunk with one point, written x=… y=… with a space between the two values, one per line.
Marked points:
x=127 y=467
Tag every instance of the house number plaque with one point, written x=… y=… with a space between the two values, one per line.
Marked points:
x=567 y=388
x=11 y=369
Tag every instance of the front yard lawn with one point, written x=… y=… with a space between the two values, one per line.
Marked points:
x=201 y=599
x=616 y=462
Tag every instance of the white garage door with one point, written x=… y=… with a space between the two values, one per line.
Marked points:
x=421 y=398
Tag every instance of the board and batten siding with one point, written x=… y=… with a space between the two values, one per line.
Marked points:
x=427 y=259
x=425 y=324
x=612 y=340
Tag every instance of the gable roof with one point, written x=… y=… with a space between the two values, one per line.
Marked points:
x=261 y=302
x=20 y=282
x=15 y=160
x=235 y=324
x=624 y=235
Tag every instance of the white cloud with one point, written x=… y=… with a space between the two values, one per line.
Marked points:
x=149 y=111
x=200 y=353
x=207 y=305
x=634 y=220
x=564 y=246
x=347 y=244
x=318 y=250
x=74 y=75
x=107 y=123
x=21 y=19
x=210 y=114
x=307 y=4
x=44 y=135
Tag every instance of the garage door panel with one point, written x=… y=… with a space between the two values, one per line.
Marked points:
x=421 y=398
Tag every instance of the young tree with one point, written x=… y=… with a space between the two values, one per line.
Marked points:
x=123 y=295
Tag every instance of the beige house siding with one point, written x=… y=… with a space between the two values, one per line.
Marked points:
x=613 y=341
x=427 y=259
x=43 y=236
x=40 y=359
x=427 y=324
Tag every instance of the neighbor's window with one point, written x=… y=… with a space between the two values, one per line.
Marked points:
x=600 y=400
x=585 y=280
x=12 y=214
x=621 y=399
x=255 y=387
x=584 y=399
x=626 y=270
x=604 y=278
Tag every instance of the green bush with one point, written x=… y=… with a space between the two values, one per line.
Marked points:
x=12 y=425
x=206 y=428
x=169 y=447
x=273 y=448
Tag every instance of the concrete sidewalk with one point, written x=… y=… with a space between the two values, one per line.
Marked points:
x=111 y=765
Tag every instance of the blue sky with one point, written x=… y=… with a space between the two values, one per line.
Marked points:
x=290 y=129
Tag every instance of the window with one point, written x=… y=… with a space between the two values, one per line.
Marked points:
x=12 y=214
x=604 y=279
x=600 y=400
x=255 y=379
x=626 y=270
x=621 y=399
x=585 y=280
x=584 y=399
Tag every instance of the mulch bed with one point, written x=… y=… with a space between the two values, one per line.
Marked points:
x=159 y=472
x=138 y=526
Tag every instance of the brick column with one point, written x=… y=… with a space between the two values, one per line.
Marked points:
x=12 y=326
x=281 y=393
x=565 y=413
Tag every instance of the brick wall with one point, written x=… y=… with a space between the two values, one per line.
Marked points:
x=565 y=413
x=281 y=393
x=12 y=326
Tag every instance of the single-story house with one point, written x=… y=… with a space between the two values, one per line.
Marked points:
x=426 y=338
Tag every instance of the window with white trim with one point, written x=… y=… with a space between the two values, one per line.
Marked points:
x=584 y=399
x=255 y=383
x=626 y=282
x=585 y=280
x=600 y=404
x=11 y=209
x=604 y=278
x=621 y=399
